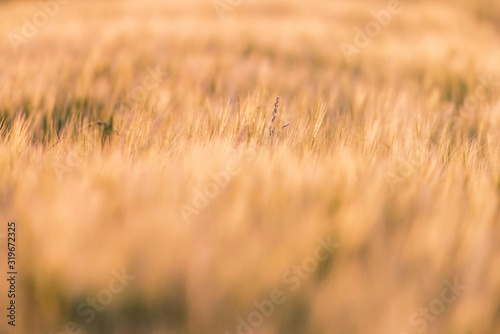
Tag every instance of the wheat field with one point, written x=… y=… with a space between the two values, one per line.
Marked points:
x=251 y=166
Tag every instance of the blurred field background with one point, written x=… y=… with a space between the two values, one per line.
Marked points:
x=381 y=154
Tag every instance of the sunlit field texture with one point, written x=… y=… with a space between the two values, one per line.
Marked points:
x=154 y=193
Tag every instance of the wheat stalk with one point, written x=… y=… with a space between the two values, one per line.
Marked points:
x=272 y=127
x=320 y=116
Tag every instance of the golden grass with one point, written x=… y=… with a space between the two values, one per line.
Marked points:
x=381 y=154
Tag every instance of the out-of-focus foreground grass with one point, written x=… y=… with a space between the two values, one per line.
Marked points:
x=117 y=116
